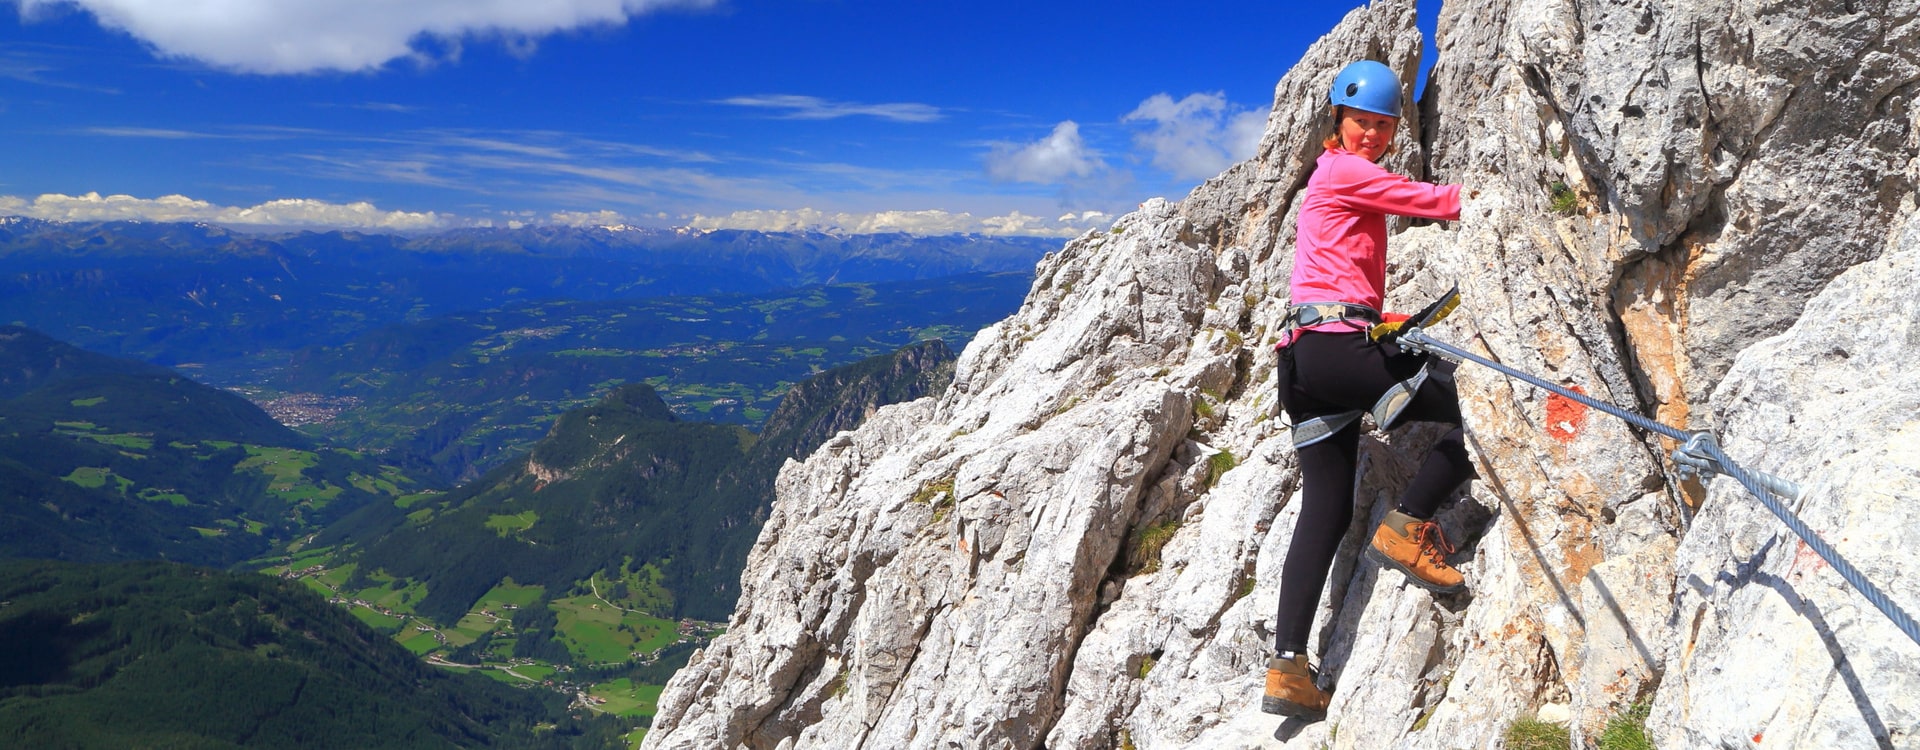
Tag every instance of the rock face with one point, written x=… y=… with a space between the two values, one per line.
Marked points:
x=1078 y=544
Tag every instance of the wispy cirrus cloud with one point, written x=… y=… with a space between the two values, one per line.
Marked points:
x=243 y=133
x=403 y=109
x=796 y=107
x=305 y=36
x=29 y=65
x=924 y=222
x=161 y=133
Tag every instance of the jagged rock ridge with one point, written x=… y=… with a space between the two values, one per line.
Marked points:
x=1078 y=544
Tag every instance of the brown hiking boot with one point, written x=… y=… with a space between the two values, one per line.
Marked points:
x=1291 y=692
x=1418 y=549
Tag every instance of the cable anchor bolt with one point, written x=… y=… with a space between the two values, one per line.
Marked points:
x=1693 y=459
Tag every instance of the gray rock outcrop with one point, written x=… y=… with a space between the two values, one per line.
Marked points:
x=1704 y=212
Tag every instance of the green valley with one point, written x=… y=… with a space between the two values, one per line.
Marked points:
x=594 y=564
x=454 y=396
x=531 y=477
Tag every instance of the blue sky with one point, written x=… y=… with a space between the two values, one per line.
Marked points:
x=1008 y=117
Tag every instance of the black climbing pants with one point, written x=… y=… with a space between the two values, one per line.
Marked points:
x=1328 y=373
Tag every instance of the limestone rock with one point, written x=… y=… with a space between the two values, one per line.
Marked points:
x=1078 y=544
x=1771 y=642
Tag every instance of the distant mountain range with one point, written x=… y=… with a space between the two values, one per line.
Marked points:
x=225 y=303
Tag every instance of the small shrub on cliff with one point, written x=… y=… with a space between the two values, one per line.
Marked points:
x=1564 y=201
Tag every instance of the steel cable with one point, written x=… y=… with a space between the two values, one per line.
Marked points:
x=1765 y=487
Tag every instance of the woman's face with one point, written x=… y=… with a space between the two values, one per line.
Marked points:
x=1365 y=133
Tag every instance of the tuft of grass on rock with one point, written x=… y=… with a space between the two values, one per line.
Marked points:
x=932 y=487
x=938 y=493
x=1533 y=734
x=1628 y=730
x=1219 y=464
x=1148 y=541
x=1564 y=202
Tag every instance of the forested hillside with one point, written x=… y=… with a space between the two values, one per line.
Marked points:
x=163 y=655
x=108 y=459
x=623 y=490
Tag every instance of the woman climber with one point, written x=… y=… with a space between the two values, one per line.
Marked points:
x=1332 y=369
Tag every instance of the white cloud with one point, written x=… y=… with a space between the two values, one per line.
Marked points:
x=927 y=222
x=306 y=212
x=301 y=36
x=1060 y=157
x=292 y=212
x=1198 y=136
x=602 y=218
x=21 y=62
x=815 y=108
x=162 y=133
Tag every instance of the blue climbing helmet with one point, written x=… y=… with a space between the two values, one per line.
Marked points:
x=1369 y=86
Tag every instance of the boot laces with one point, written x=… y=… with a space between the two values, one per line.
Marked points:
x=1432 y=542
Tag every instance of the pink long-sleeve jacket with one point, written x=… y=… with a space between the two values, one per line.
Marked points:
x=1340 y=252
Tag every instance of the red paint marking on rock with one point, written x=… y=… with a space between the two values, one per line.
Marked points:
x=1565 y=416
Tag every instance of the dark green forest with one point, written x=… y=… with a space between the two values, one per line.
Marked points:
x=163 y=655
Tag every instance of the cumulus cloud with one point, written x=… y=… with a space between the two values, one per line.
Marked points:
x=1060 y=157
x=310 y=213
x=814 y=108
x=291 y=212
x=927 y=222
x=1198 y=136
x=300 y=36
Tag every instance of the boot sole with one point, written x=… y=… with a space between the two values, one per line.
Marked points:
x=1290 y=709
x=1374 y=554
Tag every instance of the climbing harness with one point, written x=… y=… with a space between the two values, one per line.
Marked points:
x=1391 y=405
x=1310 y=314
x=1698 y=454
x=1307 y=315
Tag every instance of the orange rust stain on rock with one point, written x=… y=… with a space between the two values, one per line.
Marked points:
x=1581 y=557
x=1565 y=416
